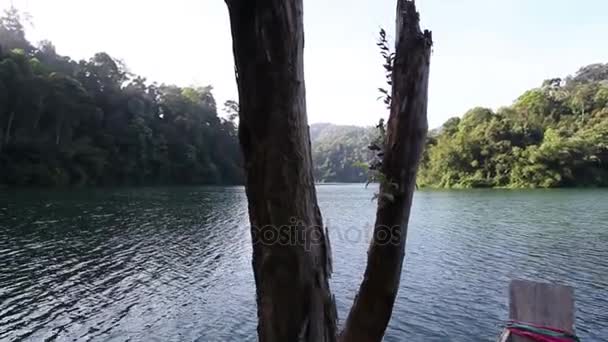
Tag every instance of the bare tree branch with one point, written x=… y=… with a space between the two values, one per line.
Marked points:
x=406 y=133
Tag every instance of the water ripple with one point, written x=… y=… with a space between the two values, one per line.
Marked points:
x=174 y=264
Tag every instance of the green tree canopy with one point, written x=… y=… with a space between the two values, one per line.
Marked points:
x=92 y=122
x=552 y=136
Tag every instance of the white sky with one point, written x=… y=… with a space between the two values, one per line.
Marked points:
x=487 y=52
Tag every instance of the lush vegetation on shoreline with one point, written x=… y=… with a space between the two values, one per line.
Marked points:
x=92 y=122
x=338 y=152
x=552 y=136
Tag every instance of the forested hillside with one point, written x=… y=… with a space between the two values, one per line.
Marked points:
x=552 y=136
x=92 y=122
x=339 y=152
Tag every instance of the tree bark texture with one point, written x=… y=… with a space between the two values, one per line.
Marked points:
x=9 y=125
x=291 y=257
x=406 y=133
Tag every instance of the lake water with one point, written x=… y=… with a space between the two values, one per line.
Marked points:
x=173 y=264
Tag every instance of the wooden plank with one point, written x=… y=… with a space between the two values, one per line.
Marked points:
x=543 y=304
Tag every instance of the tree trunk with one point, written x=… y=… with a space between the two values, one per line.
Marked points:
x=57 y=132
x=7 y=134
x=291 y=256
x=406 y=133
x=9 y=125
x=38 y=116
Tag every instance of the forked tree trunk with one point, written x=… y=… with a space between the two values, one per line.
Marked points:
x=291 y=254
x=406 y=133
x=291 y=257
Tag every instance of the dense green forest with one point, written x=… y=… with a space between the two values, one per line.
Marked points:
x=92 y=122
x=339 y=151
x=552 y=136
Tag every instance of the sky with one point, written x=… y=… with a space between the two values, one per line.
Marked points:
x=486 y=53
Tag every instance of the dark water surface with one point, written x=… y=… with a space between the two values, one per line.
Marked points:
x=173 y=264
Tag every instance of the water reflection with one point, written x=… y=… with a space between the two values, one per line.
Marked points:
x=173 y=264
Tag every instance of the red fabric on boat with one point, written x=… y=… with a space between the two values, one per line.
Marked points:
x=539 y=326
x=537 y=337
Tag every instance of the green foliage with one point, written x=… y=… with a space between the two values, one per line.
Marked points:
x=64 y=122
x=553 y=136
x=340 y=153
x=349 y=153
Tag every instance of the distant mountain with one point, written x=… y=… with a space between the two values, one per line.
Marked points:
x=555 y=135
x=338 y=151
